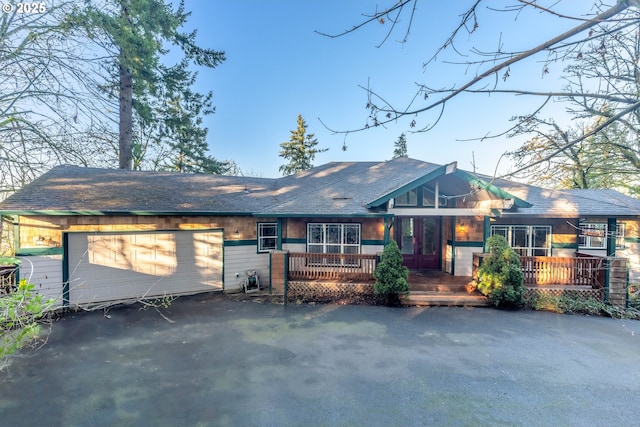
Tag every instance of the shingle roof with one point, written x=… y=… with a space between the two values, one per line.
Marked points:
x=570 y=203
x=337 y=188
x=78 y=189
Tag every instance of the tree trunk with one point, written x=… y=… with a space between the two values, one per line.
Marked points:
x=125 y=144
x=126 y=118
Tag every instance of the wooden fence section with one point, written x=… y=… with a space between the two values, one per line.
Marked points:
x=579 y=271
x=312 y=266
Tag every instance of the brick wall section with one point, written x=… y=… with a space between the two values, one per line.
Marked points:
x=278 y=273
x=618 y=282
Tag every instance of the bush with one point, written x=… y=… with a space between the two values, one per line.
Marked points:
x=20 y=314
x=574 y=303
x=500 y=277
x=391 y=276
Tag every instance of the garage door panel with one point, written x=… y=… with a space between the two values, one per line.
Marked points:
x=112 y=267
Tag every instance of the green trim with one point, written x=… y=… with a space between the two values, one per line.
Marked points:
x=486 y=233
x=453 y=246
x=65 y=269
x=611 y=236
x=388 y=221
x=413 y=184
x=39 y=251
x=372 y=242
x=247 y=242
x=560 y=245
x=323 y=215
x=295 y=240
x=279 y=240
x=223 y=263
x=52 y=212
x=491 y=188
x=16 y=237
x=466 y=244
x=632 y=239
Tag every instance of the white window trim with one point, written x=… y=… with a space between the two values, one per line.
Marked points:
x=261 y=238
x=620 y=235
x=342 y=244
x=529 y=250
x=621 y=232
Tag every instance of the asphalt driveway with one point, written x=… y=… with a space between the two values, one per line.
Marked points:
x=217 y=361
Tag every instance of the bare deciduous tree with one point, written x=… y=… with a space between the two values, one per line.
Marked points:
x=599 y=82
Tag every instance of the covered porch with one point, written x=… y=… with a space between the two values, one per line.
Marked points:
x=339 y=275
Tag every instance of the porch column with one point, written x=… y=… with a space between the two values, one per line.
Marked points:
x=454 y=220
x=388 y=222
x=611 y=236
x=486 y=233
x=611 y=252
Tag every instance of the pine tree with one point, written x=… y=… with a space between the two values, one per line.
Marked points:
x=300 y=150
x=400 y=147
x=133 y=33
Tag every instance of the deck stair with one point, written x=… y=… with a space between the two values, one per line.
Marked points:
x=442 y=290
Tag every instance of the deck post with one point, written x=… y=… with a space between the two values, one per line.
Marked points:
x=286 y=278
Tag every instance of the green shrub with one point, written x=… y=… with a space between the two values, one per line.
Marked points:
x=391 y=276
x=20 y=314
x=500 y=277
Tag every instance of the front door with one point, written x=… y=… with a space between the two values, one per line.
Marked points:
x=419 y=241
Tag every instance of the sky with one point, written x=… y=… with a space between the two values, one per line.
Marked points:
x=278 y=66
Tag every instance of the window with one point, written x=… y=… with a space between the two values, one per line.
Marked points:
x=410 y=198
x=621 y=229
x=594 y=235
x=333 y=238
x=267 y=236
x=422 y=196
x=429 y=199
x=526 y=240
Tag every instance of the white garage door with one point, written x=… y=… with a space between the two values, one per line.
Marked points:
x=132 y=265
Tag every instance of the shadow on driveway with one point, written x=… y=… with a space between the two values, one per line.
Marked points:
x=218 y=361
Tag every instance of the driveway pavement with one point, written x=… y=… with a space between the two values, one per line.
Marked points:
x=215 y=361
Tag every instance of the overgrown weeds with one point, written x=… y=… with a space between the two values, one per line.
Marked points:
x=577 y=304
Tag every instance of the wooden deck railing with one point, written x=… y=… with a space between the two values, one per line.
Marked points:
x=311 y=266
x=580 y=271
x=7 y=278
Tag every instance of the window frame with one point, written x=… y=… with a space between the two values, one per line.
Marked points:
x=326 y=239
x=528 y=248
x=261 y=238
x=585 y=241
x=621 y=229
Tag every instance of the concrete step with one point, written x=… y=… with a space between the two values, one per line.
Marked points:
x=449 y=299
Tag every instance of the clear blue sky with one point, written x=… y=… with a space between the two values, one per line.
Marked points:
x=277 y=67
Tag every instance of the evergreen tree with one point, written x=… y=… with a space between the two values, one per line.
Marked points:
x=400 y=147
x=133 y=33
x=300 y=150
